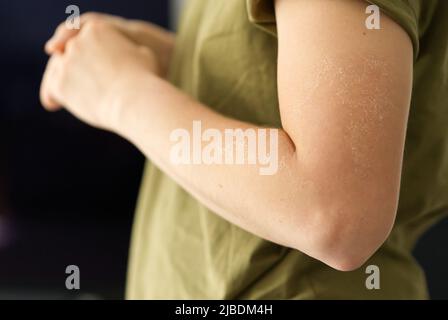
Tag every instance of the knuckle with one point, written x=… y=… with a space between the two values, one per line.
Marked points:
x=61 y=28
x=94 y=26
x=91 y=16
x=69 y=46
x=72 y=46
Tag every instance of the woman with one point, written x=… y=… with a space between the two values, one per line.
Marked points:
x=338 y=92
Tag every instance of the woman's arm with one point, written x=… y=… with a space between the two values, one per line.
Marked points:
x=344 y=97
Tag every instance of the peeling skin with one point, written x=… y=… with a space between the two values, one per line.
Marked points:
x=375 y=105
x=366 y=108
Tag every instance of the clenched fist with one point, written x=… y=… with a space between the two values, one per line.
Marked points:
x=88 y=68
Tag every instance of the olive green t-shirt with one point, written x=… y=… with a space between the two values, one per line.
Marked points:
x=225 y=57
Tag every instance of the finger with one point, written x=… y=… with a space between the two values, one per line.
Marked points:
x=46 y=98
x=59 y=39
x=63 y=34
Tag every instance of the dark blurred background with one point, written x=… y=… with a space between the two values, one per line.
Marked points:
x=67 y=191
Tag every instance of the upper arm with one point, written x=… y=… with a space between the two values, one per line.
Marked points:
x=344 y=94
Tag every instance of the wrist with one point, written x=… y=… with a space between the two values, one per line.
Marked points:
x=125 y=98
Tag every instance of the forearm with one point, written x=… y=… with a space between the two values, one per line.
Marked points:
x=280 y=207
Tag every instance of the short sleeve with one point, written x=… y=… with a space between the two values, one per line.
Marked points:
x=262 y=14
x=404 y=12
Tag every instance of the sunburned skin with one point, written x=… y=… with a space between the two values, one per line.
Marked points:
x=367 y=108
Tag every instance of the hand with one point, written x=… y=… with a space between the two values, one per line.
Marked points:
x=96 y=66
x=143 y=33
x=62 y=34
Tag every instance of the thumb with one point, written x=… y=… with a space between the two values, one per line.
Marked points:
x=46 y=98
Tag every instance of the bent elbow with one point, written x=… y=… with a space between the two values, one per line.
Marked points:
x=349 y=262
x=353 y=251
x=347 y=243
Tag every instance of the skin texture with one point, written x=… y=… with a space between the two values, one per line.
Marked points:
x=344 y=95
